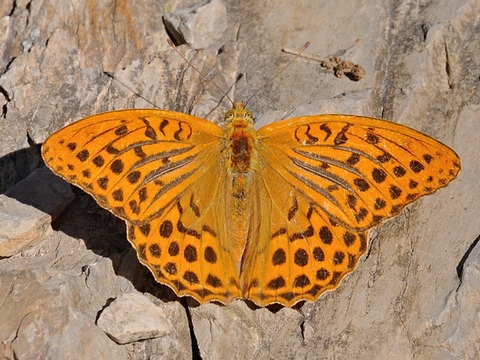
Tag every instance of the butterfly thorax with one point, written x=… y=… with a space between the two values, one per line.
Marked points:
x=241 y=138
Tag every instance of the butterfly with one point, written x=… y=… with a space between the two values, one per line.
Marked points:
x=275 y=215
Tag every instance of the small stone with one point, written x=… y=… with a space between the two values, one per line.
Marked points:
x=132 y=317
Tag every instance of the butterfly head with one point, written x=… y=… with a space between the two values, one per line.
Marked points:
x=238 y=112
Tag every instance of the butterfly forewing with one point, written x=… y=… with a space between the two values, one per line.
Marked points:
x=357 y=170
x=128 y=159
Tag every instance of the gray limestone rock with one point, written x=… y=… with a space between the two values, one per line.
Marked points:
x=132 y=317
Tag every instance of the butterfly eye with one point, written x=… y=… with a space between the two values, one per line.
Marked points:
x=248 y=115
x=229 y=114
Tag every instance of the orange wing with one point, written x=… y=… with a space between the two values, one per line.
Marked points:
x=161 y=172
x=323 y=182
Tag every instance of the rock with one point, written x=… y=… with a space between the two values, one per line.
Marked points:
x=132 y=317
x=27 y=209
x=235 y=330
x=48 y=314
x=201 y=25
x=457 y=326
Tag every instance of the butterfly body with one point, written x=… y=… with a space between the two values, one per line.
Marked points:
x=241 y=161
x=275 y=215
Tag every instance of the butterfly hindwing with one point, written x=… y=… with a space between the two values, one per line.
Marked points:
x=186 y=245
x=298 y=251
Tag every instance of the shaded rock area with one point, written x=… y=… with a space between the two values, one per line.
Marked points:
x=70 y=283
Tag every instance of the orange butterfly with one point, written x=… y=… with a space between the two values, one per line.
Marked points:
x=276 y=215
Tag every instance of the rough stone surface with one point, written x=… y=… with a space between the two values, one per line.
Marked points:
x=47 y=310
x=26 y=210
x=132 y=317
x=200 y=26
x=414 y=295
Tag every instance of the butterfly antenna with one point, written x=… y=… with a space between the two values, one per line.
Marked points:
x=170 y=42
x=307 y=44
x=131 y=89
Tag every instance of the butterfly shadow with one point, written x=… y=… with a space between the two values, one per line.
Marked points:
x=105 y=235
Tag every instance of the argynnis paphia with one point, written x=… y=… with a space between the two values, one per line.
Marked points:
x=277 y=215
